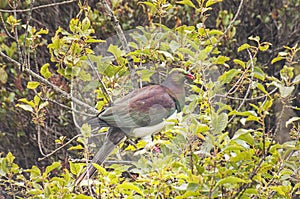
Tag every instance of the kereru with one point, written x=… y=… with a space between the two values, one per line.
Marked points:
x=141 y=113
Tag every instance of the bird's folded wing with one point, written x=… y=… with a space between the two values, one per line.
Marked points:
x=144 y=107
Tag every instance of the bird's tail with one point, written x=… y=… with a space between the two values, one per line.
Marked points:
x=115 y=136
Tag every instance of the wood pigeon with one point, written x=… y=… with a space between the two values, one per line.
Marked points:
x=141 y=113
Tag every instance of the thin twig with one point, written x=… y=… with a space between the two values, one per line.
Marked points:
x=40 y=143
x=123 y=41
x=103 y=87
x=228 y=28
x=5 y=28
x=38 y=7
x=59 y=148
x=242 y=99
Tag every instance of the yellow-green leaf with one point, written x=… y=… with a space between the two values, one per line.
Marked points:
x=243 y=47
x=45 y=71
x=32 y=85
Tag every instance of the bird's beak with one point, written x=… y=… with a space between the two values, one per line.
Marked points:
x=190 y=77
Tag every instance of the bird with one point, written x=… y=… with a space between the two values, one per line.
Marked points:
x=141 y=113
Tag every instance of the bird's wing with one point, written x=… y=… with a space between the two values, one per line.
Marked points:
x=144 y=107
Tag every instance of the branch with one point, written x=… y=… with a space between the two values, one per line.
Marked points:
x=62 y=146
x=55 y=88
x=227 y=29
x=123 y=41
x=38 y=7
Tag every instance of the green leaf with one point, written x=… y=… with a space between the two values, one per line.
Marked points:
x=3 y=76
x=86 y=23
x=221 y=59
x=75 y=168
x=115 y=50
x=45 y=71
x=276 y=59
x=231 y=180
x=239 y=62
x=296 y=80
x=24 y=100
x=262 y=88
x=34 y=172
x=259 y=73
x=212 y=2
x=81 y=196
x=25 y=107
x=256 y=38
x=100 y=169
x=187 y=2
x=243 y=47
x=10 y=158
x=32 y=85
x=50 y=168
x=91 y=40
x=264 y=46
x=130 y=186
x=228 y=76
x=146 y=74
x=219 y=122
x=286 y=91
x=292 y=120
x=77 y=147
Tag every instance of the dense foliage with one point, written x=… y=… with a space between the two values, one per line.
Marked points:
x=237 y=137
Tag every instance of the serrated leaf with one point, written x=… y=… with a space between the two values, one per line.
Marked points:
x=32 y=85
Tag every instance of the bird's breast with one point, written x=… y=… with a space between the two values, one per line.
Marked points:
x=149 y=130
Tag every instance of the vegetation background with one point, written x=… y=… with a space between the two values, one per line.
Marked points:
x=238 y=136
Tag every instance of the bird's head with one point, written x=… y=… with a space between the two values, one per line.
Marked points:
x=179 y=75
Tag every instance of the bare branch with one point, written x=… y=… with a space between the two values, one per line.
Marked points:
x=59 y=148
x=38 y=7
x=228 y=27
